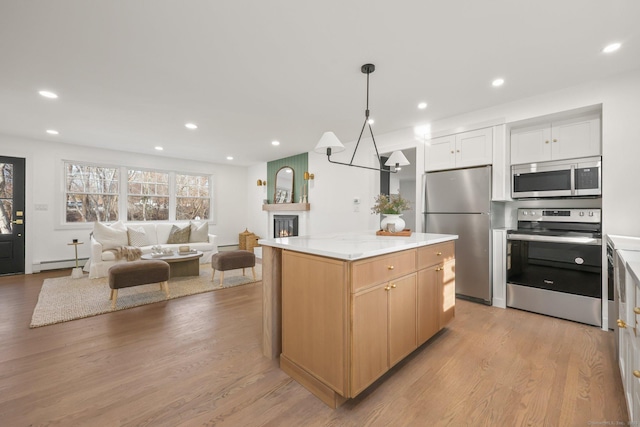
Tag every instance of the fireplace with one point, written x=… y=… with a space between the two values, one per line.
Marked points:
x=285 y=225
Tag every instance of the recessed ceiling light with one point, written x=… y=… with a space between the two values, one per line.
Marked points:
x=497 y=82
x=159 y=148
x=229 y=157
x=371 y=121
x=611 y=48
x=422 y=105
x=48 y=94
x=275 y=142
x=191 y=126
x=52 y=132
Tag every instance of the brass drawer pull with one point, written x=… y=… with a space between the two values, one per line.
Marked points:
x=390 y=267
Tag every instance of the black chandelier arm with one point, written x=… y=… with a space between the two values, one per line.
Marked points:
x=375 y=146
x=359 y=138
x=359 y=166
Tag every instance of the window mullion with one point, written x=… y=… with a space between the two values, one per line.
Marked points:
x=172 y=196
x=123 y=193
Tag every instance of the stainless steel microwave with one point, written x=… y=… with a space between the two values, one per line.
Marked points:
x=562 y=178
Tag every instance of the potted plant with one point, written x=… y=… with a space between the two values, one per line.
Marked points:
x=391 y=207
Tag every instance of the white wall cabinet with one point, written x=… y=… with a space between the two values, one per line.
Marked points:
x=566 y=139
x=626 y=280
x=473 y=148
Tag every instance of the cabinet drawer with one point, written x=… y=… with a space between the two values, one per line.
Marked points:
x=382 y=268
x=435 y=254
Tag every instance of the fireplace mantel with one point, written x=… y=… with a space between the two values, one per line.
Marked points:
x=287 y=207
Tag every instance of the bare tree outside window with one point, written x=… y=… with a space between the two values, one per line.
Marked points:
x=6 y=198
x=193 y=197
x=148 y=195
x=91 y=193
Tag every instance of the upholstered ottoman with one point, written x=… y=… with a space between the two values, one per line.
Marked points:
x=136 y=273
x=232 y=260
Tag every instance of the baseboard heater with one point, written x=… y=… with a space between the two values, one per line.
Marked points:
x=39 y=266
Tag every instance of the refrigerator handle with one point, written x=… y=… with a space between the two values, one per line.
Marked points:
x=424 y=193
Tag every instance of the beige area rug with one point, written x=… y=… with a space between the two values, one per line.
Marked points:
x=62 y=299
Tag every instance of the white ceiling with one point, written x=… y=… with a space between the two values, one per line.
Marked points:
x=130 y=74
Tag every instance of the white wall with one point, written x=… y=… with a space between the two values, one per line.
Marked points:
x=257 y=221
x=47 y=238
x=335 y=187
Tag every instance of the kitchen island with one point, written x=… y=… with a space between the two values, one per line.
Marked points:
x=341 y=309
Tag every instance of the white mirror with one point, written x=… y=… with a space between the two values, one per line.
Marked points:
x=284 y=185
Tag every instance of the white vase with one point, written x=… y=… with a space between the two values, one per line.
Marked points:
x=392 y=223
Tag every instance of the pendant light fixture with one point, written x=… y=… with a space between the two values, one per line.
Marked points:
x=329 y=143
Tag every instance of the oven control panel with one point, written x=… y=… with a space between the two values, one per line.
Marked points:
x=560 y=215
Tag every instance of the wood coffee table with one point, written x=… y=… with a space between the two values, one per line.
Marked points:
x=180 y=265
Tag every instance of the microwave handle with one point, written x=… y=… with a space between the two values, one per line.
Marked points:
x=573 y=180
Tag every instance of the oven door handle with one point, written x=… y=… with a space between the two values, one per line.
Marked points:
x=555 y=239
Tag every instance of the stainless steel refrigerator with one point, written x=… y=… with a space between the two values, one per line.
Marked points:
x=459 y=202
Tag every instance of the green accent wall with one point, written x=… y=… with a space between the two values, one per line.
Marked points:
x=299 y=164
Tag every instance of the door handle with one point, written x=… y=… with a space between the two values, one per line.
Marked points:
x=18 y=222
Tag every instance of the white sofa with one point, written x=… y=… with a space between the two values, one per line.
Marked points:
x=156 y=234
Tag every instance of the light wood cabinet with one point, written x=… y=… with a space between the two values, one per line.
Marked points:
x=566 y=139
x=447 y=291
x=473 y=148
x=382 y=268
x=428 y=313
x=384 y=329
x=370 y=337
x=315 y=310
x=436 y=291
x=346 y=323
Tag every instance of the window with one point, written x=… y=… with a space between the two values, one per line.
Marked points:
x=94 y=193
x=91 y=193
x=6 y=198
x=148 y=195
x=192 y=197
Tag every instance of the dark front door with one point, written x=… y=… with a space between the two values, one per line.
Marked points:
x=11 y=215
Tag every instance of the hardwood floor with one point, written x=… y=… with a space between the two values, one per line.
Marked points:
x=197 y=361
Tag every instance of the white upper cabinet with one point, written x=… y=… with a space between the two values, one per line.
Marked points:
x=531 y=144
x=440 y=153
x=473 y=148
x=556 y=141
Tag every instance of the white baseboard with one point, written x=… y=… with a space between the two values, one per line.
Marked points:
x=39 y=266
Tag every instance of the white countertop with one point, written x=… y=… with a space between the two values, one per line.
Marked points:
x=628 y=256
x=624 y=242
x=352 y=246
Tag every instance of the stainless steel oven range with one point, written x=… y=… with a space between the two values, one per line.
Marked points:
x=554 y=264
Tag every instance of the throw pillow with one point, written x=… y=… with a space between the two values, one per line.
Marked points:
x=179 y=235
x=137 y=237
x=110 y=236
x=199 y=233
